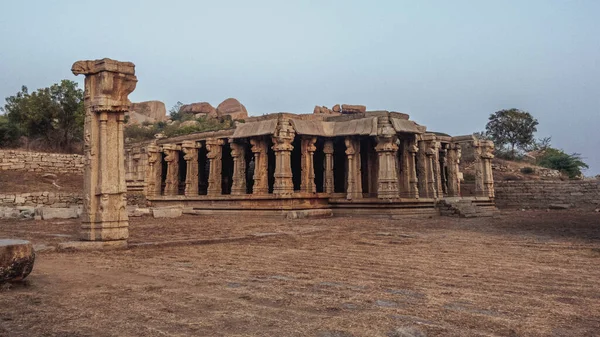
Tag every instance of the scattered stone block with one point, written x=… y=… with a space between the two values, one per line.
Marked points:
x=58 y=213
x=16 y=260
x=167 y=212
x=559 y=206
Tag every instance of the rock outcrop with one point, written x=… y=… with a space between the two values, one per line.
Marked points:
x=200 y=109
x=353 y=109
x=322 y=110
x=232 y=107
x=149 y=111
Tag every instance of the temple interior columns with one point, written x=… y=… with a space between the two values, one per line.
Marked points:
x=452 y=160
x=238 y=152
x=354 y=185
x=259 y=149
x=154 y=171
x=172 y=158
x=328 y=167
x=387 y=179
x=215 y=152
x=190 y=150
x=308 y=149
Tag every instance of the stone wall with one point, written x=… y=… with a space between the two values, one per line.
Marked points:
x=51 y=199
x=541 y=194
x=41 y=162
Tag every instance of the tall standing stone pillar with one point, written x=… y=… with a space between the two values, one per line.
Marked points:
x=452 y=160
x=259 y=149
x=282 y=145
x=437 y=168
x=425 y=168
x=172 y=179
x=354 y=188
x=307 y=164
x=107 y=85
x=387 y=179
x=214 y=148
x=329 y=182
x=190 y=150
x=154 y=171
x=238 y=152
x=485 y=185
x=409 y=171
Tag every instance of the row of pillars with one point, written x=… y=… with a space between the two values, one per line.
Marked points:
x=429 y=169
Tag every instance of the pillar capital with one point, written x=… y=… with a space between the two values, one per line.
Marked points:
x=386 y=144
x=109 y=83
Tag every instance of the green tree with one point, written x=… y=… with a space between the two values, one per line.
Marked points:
x=513 y=128
x=569 y=164
x=53 y=115
x=175 y=112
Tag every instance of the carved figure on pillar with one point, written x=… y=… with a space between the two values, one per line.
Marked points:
x=487 y=154
x=154 y=172
x=354 y=189
x=410 y=156
x=172 y=179
x=238 y=152
x=107 y=86
x=214 y=154
x=307 y=165
x=387 y=179
x=282 y=146
x=190 y=150
x=259 y=148
x=328 y=183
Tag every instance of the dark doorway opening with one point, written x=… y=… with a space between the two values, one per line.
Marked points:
x=203 y=170
x=163 y=175
x=182 y=173
x=296 y=162
x=339 y=165
x=319 y=165
x=270 y=165
x=226 y=169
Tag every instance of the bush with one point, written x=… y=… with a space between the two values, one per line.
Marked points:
x=569 y=164
x=527 y=170
x=139 y=133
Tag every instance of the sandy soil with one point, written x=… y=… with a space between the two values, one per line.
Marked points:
x=521 y=274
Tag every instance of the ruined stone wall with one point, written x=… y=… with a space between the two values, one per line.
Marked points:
x=41 y=162
x=540 y=194
x=52 y=199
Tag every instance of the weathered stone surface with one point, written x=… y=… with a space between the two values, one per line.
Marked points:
x=58 y=213
x=153 y=110
x=17 y=160
x=108 y=84
x=16 y=260
x=188 y=123
x=542 y=193
x=337 y=108
x=92 y=245
x=200 y=109
x=232 y=107
x=353 y=109
x=167 y=212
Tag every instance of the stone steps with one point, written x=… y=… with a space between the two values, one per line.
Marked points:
x=466 y=208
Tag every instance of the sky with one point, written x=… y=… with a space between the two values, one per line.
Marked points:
x=449 y=64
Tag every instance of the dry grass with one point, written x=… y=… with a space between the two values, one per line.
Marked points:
x=522 y=274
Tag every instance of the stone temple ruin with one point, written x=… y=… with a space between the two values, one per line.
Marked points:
x=340 y=161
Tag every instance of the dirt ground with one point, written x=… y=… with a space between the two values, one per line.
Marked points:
x=520 y=274
x=22 y=182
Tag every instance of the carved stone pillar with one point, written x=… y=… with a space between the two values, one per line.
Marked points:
x=452 y=161
x=437 y=169
x=214 y=148
x=387 y=179
x=259 y=149
x=425 y=167
x=190 y=150
x=107 y=85
x=484 y=180
x=354 y=188
x=154 y=171
x=432 y=180
x=409 y=180
x=443 y=164
x=238 y=152
x=307 y=164
x=172 y=179
x=328 y=183
x=282 y=145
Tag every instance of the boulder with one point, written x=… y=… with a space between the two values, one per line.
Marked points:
x=188 y=123
x=353 y=109
x=155 y=110
x=200 y=109
x=232 y=107
x=337 y=108
x=137 y=118
x=16 y=260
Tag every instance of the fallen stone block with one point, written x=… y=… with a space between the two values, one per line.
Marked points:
x=58 y=213
x=16 y=260
x=559 y=206
x=167 y=212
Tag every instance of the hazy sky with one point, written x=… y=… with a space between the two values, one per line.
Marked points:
x=449 y=64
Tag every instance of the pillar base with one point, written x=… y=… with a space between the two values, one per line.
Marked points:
x=104 y=231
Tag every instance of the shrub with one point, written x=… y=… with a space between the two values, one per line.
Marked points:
x=569 y=164
x=527 y=170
